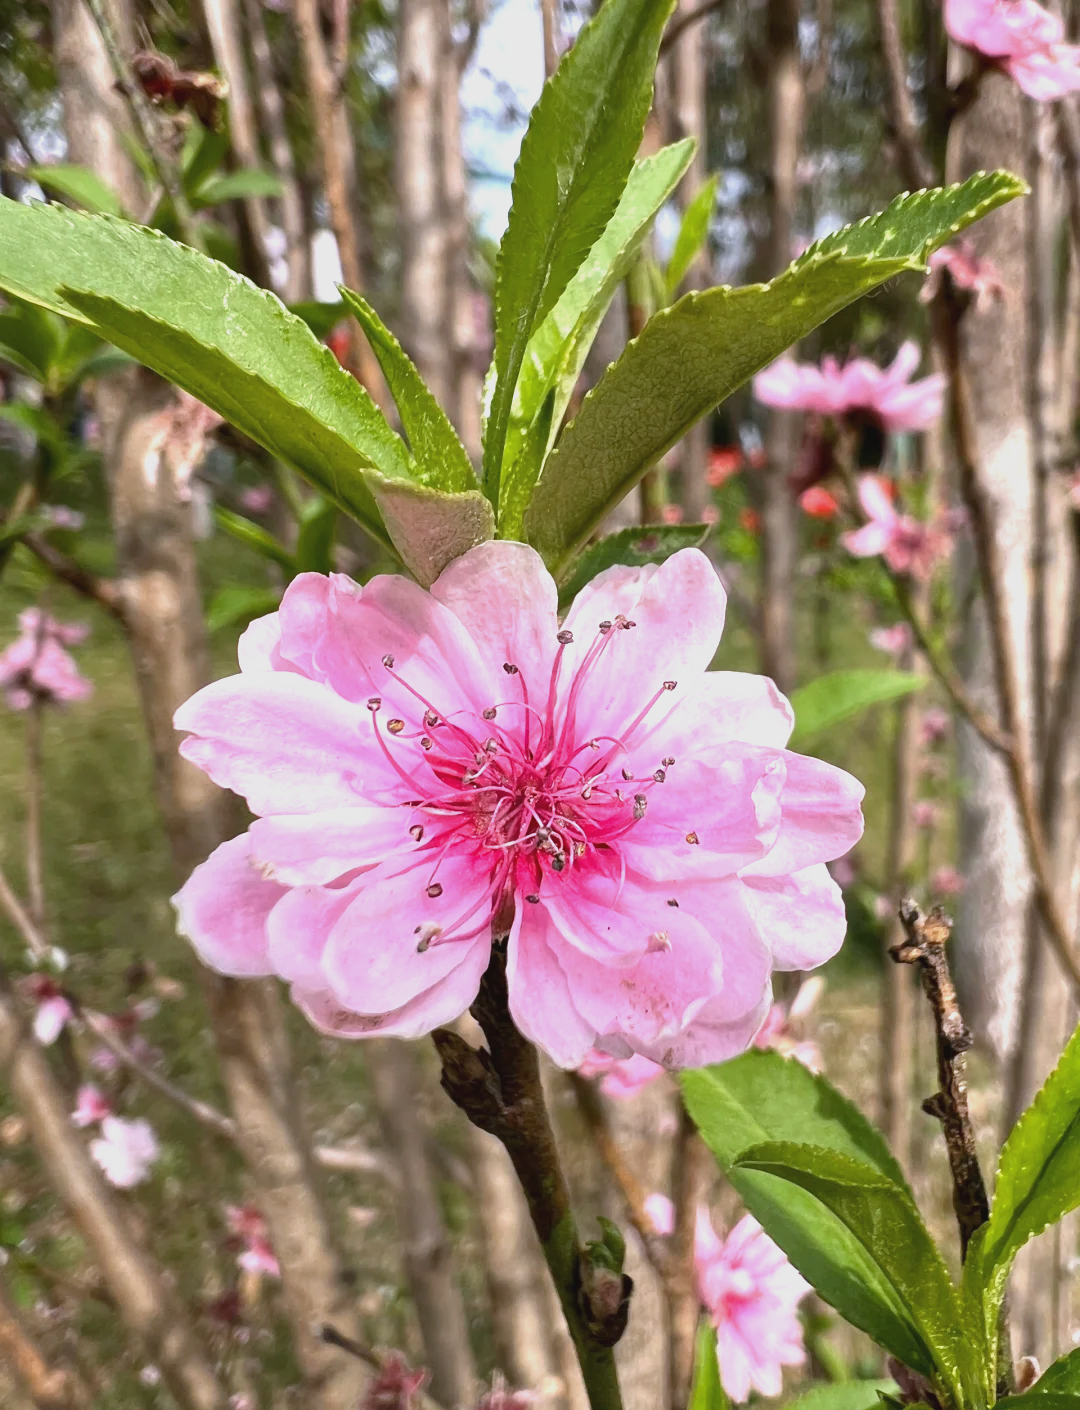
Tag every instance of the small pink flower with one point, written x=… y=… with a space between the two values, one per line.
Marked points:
x=819 y=503
x=436 y=770
x=395 y=1385
x=777 y=1031
x=947 y=881
x=967 y=270
x=36 y=667
x=672 y=514
x=887 y=395
x=883 y=907
x=248 y=1225
x=91 y=1106
x=501 y=1397
x=622 y=1077
x=125 y=1151
x=724 y=461
x=59 y=516
x=908 y=546
x=52 y=1010
x=257 y=499
x=1022 y=38
x=894 y=641
x=925 y=814
x=751 y=1294
x=710 y=514
x=934 y=726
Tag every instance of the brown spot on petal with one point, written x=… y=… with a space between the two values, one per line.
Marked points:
x=395 y=726
x=693 y=839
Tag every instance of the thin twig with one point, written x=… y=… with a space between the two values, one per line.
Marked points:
x=330 y=1334
x=679 y=25
x=500 y=1091
x=106 y=592
x=35 y=881
x=924 y=942
x=915 y=167
x=20 y=918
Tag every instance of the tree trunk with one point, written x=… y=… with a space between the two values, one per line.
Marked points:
x=47 y=1387
x=779 y=543
x=425 y=1244
x=142 y=1296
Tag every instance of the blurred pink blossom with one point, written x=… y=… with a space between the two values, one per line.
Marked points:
x=36 y=667
x=883 y=907
x=967 y=270
x=751 y=1294
x=907 y=545
x=710 y=514
x=819 y=503
x=248 y=1225
x=724 y=461
x=777 y=1031
x=52 y=1011
x=59 y=516
x=843 y=871
x=934 y=726
x=257 y=499
x=180 y=434
x=622 y=1077
x=1023 y=39
x=894 y=640
x=947 y=881
x=501 y=1397
x=395 y=1385
x=672 y=514
x=125 y=1151
x=888 y=395
x=91 y=1106
x=925 y=814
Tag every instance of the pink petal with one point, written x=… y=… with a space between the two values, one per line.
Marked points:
x=723 y=707
x=905 y=364
x=876 y=501
x=822 y=819
x=298 y=928
x=255 y=649
x=913 y=408
x=661 y=1213
x=286 y=744
x=867 y=542
x=1046 y=77
x=312 y=849
x=222 y=909
x=507 y=602
x=802 y=914
x=50 y=1019
x=373 y=962
x=540 y=1001
x=735 y=1364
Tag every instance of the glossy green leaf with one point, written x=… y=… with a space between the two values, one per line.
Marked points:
x=557 y=350
x=256 y=538
x=234 y=605
x=762 y=1096
x=640 y=544
x=236 y=186
x=693 y=232
x=844 y=1395
x=1038 y=1178
x=212 y=332
x=315 y=539
x=321 y=318
x=442 y=462
x=574 y=161
x=691 y=356
x=430 y=528
x=830 y=699
x=79 y=184
x=706 y=1390
x=30 y=338
x=883 y=1218
x=1061 y=1377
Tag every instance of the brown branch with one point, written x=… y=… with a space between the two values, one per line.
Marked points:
x=48 y=1387
x=678 y=26
x=915 y=166
x=925 y=938
x=499 y=1090
x=104 y=591
x=689 y=1165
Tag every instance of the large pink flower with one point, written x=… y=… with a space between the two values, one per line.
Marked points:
x=1023 y=39
x=36 y=667
x=887 y=394
x=437 y=771
x=906 y=544
x=751 y=1294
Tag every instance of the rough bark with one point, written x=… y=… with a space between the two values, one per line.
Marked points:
x=785 y=104
x=145 y=1304
x=48 y=1387
x=272 y=111
x=425 y=1244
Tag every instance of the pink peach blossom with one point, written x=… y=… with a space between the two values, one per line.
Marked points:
x=621 y=1077
x=125 y=1151
x=967 y=270
x=925 y=814
x=1022 y=38
x=908 y=546
x=819 y=503
x=888 y=395
x=60 y=516
x=934 y=726
x=724 y=461
x=36 y=667
x=435 y=770
x=672 y=514
x=779 y=1029
x=52 y=1011
x=249 y=1227
x=395 y=1386
x=894 y=640
x=751 y=1294
x=710 y=514
x=257 y=499
x=91 y=1106
x=947 y=881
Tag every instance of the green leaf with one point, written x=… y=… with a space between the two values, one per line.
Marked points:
x=30 y=338
x=1034 y=1399
x=1061 y=1377
x=706 y=1390
x=430 y=528
x=693 y=232
x=236 y=186
x=883 y=1218
x=844 y=1395
x=321 y=318
x=640 y=544
x=234 y=604
x=574 y=162
x=77 y=183
x=1038 y=1178
x=442 y=462
x=762 y=1096
x=691 y=356
x=557 y=350
x=827 y=701
x=212 y=332
x=315 y=541
x=256 y=537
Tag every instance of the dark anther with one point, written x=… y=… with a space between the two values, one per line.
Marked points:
x=586 y=792
x=509 y=668
x=659 y=775
x=674 y=903
x=416 y=832
x=558 y=861
x=430 y=719
x=640 y=804
x=395 y=726
x=630 y=622
x=693 y=839
x=628 y=774
x=670 y=685
x=605 y=627
x=533 y=900
x=388 y=661
x=434 y=890
x=491 y=746
x=374 y=703
x=667 y=763
x=489 y=713
x=564 y=638
x=426 y=743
